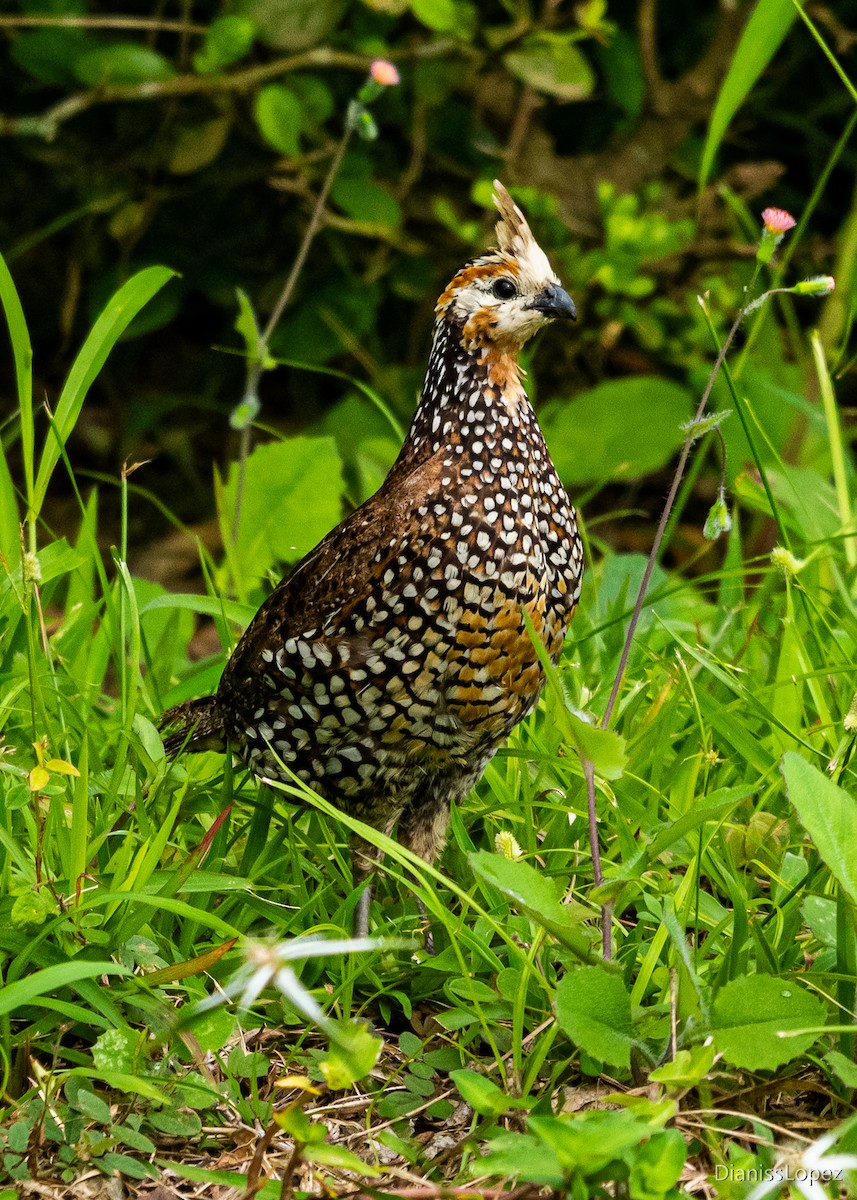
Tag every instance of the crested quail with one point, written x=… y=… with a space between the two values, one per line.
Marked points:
x=394 y=659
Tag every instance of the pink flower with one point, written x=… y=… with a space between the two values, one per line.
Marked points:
x=778 y=221
x=386 y=75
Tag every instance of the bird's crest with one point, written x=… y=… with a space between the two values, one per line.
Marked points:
x=514 y=235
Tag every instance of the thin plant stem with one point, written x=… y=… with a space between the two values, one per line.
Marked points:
x=662 y=524
x=257 y=365
x=588 y=766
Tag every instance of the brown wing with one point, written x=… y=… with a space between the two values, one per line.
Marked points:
x=342 y=569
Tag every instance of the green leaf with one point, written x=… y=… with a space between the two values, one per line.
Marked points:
x=296 y=25
x=247 y=1064
x=49 y=55
x=752 y=1011
x=227 y=40
x=687 y=1069
x=535 y=895
x=22 y=353
x=364 y=200
x=126 y=1165
x=439 y=15
x=603 y=747
x=134 y=1139
x=198 y=144
x=656 y=1165
x=92 y=1106
x=122 y=63
x=621 y=429
x=828 y=814
x=594 y=1010
x=329 y=1155
x=291 y=500
x=30 y=908
x=114 y=320
x=484 y=1096
x=592 y=1140
x=50 y=979
x=552 y=63
x=352 y=1055
x=114 y=1049
x=843 y=1068
x=768 y=25
x=523 y=1156
x=278 y=115
x=176 y=1123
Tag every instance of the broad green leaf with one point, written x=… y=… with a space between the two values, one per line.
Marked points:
x=523 y=1156
x=594 y=1009
x=535 y=895
x=620 y=429
x=592 y=1140
x=92 y=1106
x=296 y=25
x=657 y=1164
x=114 y=320
x=278 y=115
x=439 y=15
x=290 y=501
x=199 y=144
x=843 y=1068
x=687 y=1069
x=768 y=25
x=176 y=1123
x=49 y=55
x=365 y=200
x=483 y=1095
x=552 y=63
x=121 y=63
x=604 y=748
x=751 y=1012
x=828 y=814
x=115 y=1048
x=330 y=1155
x=352 y=1055
x=227 y=39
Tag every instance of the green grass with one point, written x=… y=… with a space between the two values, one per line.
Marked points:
x=130 y=883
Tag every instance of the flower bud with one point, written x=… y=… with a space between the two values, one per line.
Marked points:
x=384 y=72
x=819 y=285
x=776 y=222
x=788 y=563
x=506 y=844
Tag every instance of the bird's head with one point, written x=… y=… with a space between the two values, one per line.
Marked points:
x=502 y=298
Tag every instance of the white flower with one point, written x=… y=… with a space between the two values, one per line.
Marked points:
x=807 y=1170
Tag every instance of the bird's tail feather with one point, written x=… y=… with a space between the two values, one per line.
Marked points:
x=194 y=725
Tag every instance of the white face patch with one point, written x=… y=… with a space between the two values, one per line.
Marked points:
x=493 y=298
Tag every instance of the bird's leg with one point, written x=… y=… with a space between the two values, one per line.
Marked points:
x=422 y=830
x=364 y=861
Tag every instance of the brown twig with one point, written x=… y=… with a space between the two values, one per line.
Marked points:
x=46 y=124
x=153 y=24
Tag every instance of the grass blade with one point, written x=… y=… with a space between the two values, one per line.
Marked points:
x=109 y=327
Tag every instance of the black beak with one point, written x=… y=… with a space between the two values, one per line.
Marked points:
x=554 y=301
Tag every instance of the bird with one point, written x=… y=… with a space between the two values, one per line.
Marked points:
x=389 y=665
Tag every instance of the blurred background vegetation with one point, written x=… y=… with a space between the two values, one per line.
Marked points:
x=198 y=134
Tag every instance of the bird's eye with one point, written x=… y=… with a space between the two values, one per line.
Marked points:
x=504 y=289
